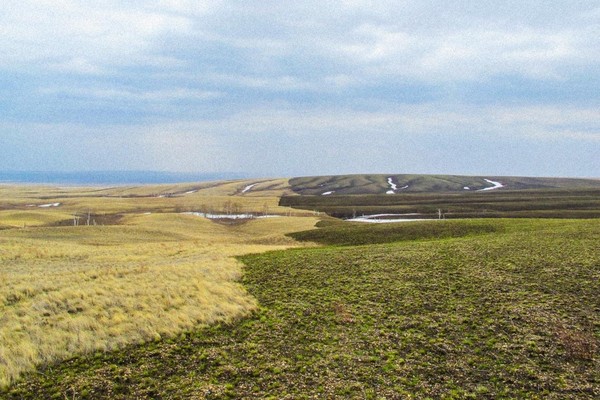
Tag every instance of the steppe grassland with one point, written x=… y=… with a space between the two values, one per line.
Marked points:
x=213 y=196
x=192 y=202
x=70 y=290
x=510 y=313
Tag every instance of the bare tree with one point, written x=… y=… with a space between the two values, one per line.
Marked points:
x=236 y=208
x=227 y=207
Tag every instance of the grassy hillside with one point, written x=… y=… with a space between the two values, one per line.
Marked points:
x=508 y=314
x=405 y=183
x=25 y=218
x=540 y=203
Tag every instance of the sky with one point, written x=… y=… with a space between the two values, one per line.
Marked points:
x=296 y=88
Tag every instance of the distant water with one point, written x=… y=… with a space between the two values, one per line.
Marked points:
x=112 y=177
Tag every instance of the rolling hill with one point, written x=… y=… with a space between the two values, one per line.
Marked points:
x=431 y=196
x=407 y=183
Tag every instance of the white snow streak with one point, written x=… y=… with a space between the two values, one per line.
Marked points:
x=497 y=185
x=49 y=205
x=392 y=184
x=327 y=193
x=377 y=218
x=230 y=216
x=384 y=221
x=247 y=188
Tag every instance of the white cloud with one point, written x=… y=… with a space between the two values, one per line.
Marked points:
x=282 y=141
x=547 y=122
x=538 y=122
x=186 y=7
x=164 y=147
x=271 y=83
x=81 y=36
x=376 y=43
x=464 y=54
x=78 y=65
x=173 y=149
x=431 y=41
x=132 y=94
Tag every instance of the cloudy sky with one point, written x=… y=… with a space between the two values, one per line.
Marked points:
x=282 y=88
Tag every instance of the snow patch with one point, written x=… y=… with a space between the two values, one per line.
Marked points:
x=392 y=184
x=230 y=216
x=467 y=188
x=247 y=188
x=49 y=205
x=384 y=221
x=380 y=218
x=374 y=216
x=497 y=185
x=327 y=193
x=191 y=191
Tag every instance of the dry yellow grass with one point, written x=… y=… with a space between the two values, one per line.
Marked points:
x=23 y=218
x=211 y=196
x=69 y=290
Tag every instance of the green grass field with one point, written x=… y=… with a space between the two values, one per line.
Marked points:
x=477 y=309
x=334 y=232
